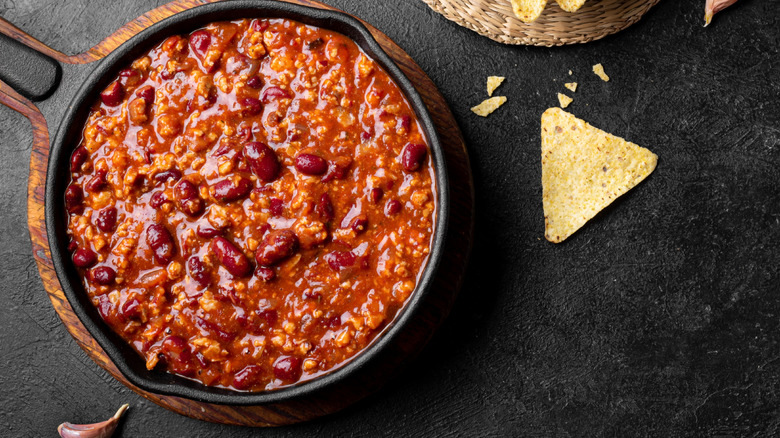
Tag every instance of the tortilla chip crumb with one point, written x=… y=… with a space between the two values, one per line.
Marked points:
x=488 y=106
x=599 y=70
x=569 y=72
x=493 y=82
x=572 y=86
x=584 y=169
x=564 y=100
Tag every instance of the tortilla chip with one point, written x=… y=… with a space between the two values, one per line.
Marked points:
x=584 y=169
x=488 y=106
x=570 y=5
x=572 y=86
x=564 y=100
x=599 y=70
x=528 y=10
x=493 y=82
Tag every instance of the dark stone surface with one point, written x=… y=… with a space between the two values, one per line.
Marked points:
x=659 y=318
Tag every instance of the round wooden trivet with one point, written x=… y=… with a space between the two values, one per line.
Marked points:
x=555 y=27
x=410 y=342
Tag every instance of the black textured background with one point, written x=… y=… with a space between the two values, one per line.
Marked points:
x=659 y=318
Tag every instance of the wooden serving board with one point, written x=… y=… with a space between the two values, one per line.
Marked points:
x=432 y=311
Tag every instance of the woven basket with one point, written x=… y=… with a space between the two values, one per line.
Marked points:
x=495 y=20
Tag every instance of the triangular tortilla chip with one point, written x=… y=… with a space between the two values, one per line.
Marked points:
x=487 y=106
x=528 y=10
x=570 y=5
x=564 y=100
x=598 y=69
x=492 y=83
x=584 y=169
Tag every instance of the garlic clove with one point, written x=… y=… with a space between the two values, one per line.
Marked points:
x=712 y=7
x=104 y=429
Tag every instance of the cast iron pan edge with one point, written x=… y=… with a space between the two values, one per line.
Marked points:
x=130 y=364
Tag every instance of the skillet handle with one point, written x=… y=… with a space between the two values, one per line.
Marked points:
x=26 y=64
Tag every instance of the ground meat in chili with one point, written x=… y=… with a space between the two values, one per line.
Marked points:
x=251 y=204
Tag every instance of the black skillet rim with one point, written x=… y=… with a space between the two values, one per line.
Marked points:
x=129 y=363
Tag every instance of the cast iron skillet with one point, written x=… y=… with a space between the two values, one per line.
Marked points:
x=130 y=363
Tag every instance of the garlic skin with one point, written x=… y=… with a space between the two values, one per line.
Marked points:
x=104 y=429
x=712 y=7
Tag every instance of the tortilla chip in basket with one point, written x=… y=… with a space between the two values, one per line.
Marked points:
x=528 y=10
x=570 y=5
x=584 y=169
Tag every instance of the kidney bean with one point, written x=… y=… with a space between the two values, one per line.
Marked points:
x=97 y=182
x=192 y=207
x=224 y=148
x=365 y=136
x=106 y=219
x=262 y=160
x=273 y=93
x=260 y=25
x=337 y=169
x=131 y=309
x=231 y=257
x=207 y=232
x=84 y=258
x=275 y=247
x=393 y=207
x=338 y=260
x=178 y=355
x=324 y=208
x=212 y=327
x=161 y=242
x=105 y=306
x=175 y=344
x=412 y=156
x=168 y=74
x=269 y=316
x=359 y=223
x=250 y=106
x=229 y=190
x=78 y=158
x=311 y=295
x=333 y=322
x=310 y=164
x=200 y=40
x=184 y=190
x=265 y=273
x=276 y=206
x=187 y=196
x=198 y=271
x=406 y=123
x=247 y=377
x=74 y=199
x=288 y=368
x=167 y=175
x=315 y=44
x=254 y=82
x=146 y=93
x=128 y=72
x=103 y=275
x=158 y=199
x=72 y=246
x=375 y=195
x=113 y=94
